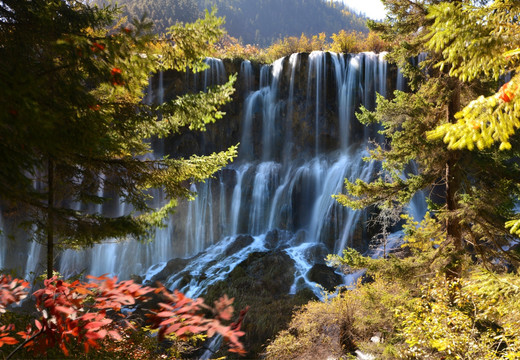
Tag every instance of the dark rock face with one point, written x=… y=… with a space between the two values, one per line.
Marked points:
x=240 y=242
x=173 y=266
x=325 y=276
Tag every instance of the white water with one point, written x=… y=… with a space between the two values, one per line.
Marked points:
x=283 y=179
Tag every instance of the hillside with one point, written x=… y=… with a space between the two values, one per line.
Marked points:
x=264 y=21
x=253 y=21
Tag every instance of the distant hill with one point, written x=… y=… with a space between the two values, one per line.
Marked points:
x=264 y=21
x=253 y=21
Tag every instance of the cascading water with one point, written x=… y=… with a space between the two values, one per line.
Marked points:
x=299 y=141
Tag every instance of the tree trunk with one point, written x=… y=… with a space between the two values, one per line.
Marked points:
x=50 y=218
x=453 y=182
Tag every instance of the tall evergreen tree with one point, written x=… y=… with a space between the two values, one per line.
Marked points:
x=74 y=128
x=472 y=193
x=492 y=51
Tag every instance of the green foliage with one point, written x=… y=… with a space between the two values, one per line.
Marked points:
x=341 y=324
x=471 y=318
x=423 y=235
x=347 y=42
x=490 y=53
x=404 y=120
x=351 y=260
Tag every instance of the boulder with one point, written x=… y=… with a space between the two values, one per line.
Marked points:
x=172 y=267
x=325 y=276
x=241 y=241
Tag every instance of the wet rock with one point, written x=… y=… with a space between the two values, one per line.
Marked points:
x=136 y=278
x=299 y=238
x=276 y=239
x=325 y=276
x=316 y=254
x=240 y=242
x=272 y=239
x=172 y=267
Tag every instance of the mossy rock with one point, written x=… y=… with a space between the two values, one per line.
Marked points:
x=262 y=282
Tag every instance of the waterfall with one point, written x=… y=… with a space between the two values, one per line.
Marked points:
x=215 y=74
x=270 y=111
x=246 y=75
x=299 y=139
x=317 y=86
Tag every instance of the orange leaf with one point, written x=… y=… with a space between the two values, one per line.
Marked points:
x=9 y=340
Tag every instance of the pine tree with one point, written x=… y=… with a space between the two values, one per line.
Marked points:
x=73 y=125
x=471 y=192
x=492 y=52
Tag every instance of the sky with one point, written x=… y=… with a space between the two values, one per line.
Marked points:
x=374 y=9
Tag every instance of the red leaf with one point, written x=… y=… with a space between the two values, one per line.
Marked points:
x=94 y=325
x=88 y=316
x=8 y=340
x=166 y=314
x=172 y=328
x=65 y=310
x=64 y=349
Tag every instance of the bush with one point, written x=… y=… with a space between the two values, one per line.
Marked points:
x=342 y=324
x=77 y=317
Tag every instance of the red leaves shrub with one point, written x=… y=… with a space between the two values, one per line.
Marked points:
x=182 y=316
x=87 y=313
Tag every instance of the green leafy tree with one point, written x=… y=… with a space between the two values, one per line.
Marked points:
x=72 y=122
x=472 y=193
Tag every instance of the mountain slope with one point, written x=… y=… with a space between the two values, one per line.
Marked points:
x=264 y=21
x=254 y=21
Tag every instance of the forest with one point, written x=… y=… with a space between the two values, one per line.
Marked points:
x=252 y=22
x=282 y=183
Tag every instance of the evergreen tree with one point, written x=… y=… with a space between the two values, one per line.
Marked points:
x=163 y=13
x=74 y=128
x=494 y=53
x=472 y=192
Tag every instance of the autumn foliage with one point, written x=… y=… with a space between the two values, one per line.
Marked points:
x=89 y=313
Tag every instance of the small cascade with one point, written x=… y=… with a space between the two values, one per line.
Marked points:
x=348 y=95
x=401 y=84
x=287 y=149
x=160 y=92
x=266 y=179
x=246 y=76
x=215 y=74
x=236 y=200
x=271 y=112
x=317 y=90
x=199 y=222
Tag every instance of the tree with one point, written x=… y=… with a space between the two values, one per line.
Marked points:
x=163 y=13
x=487 y=119
x=472 y=192
x=74 y=128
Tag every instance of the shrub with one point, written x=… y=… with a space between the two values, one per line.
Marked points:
x=91 y=314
